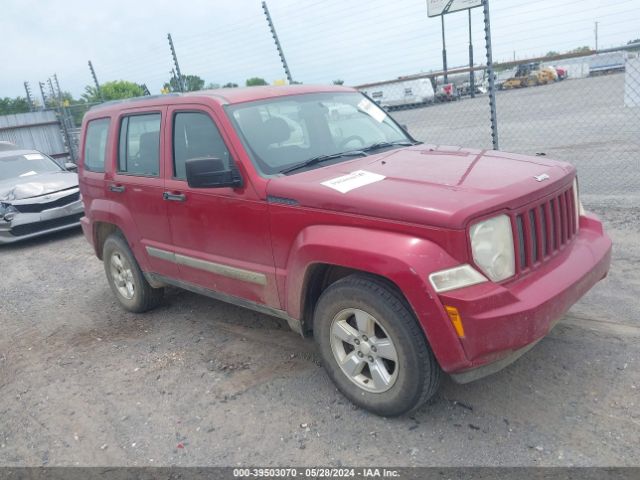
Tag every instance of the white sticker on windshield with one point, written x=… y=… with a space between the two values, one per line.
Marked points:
x=28 y=174
x=356 y=179
x=372 y=110
x=33 y=156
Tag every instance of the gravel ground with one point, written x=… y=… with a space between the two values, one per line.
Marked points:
x=199 y=382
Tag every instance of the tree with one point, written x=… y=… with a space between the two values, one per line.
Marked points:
x=583 y=49
x=631 y=42
x=230 y=85
x=552 y=53
x=255 y=81
x=191 y=83
x=114 y=90
x=13 y=105
x=211 y=86
x=338 y=82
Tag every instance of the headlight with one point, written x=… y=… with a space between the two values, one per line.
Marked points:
x=577 y=202
x=457 y=277
x=492 y=247
x=6 y=208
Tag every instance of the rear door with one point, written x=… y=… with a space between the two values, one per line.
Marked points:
x=138 y=185
x=220 y=235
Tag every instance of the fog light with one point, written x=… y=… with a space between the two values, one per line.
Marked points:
x=456 y=319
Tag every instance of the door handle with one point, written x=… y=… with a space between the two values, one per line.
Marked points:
x=116 y=188
x=174 y=197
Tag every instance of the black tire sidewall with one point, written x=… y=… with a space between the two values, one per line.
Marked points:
x=139 y=302
x=410 y=344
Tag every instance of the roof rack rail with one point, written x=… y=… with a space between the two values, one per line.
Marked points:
x=133 y=99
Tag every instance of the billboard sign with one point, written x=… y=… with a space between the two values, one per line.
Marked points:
x=436 y=8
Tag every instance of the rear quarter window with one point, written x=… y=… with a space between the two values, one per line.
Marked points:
x=95 y=145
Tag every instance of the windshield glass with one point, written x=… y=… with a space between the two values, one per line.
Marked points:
x=282 y=132
x=23 y=166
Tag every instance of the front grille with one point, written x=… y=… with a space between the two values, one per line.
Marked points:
x=40 y=207
x=29 y=228
x=542 y=230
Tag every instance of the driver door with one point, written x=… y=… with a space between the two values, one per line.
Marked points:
x=220 y=236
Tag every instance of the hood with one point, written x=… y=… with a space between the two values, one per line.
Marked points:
x=427 y=184
x=36 y=185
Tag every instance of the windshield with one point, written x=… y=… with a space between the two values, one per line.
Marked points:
x=23 y=166
x=282 y=132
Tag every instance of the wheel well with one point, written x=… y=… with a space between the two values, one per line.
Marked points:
x=101 y=232
x=320 y=276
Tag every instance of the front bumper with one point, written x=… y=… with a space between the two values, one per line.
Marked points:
x=28 y=225
x=502 y=322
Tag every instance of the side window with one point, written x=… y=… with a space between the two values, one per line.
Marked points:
x=95 y=145
x=139 y=152
x=194 y=136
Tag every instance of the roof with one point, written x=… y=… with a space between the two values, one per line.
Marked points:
x=250 y=94
x=225 y=96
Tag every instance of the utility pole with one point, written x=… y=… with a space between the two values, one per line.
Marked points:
x=27 y=90
x=275 y=39
x=95 y=81
x=492 y=86
x=444 y=51
x=175 y=61
x=472 y=77
x=596 y=32
x=44 y=97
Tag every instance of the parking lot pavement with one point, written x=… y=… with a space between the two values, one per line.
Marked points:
x=199 y=382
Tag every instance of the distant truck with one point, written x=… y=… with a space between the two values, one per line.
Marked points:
x=402 y=93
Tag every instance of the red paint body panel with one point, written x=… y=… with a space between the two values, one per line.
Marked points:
x=403 y=228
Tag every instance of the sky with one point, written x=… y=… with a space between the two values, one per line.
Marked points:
x=224 y=41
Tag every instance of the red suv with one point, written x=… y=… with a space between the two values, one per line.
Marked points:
x=403 y=260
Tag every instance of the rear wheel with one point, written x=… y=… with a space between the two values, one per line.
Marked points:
x=373 y=348
x=125 y=277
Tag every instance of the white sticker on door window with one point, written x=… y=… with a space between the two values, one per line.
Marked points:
x=33 y=156
x=354 y=180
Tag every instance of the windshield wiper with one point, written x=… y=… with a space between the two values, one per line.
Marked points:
x=324 y=158
x=397 y=143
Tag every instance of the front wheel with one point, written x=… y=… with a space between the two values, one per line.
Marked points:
x=373 y=348
x=125 y=277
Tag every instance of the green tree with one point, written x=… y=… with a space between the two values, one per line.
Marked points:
x=583 y=49
x=211 y=86
x=230 y=85
x=13 y=105
x=552 y=53
x=114 y=90
x=192 y=83
x=255 y=81
x=338 y=82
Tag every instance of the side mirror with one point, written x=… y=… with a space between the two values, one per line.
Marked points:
x=210 y=172
x=70 y=166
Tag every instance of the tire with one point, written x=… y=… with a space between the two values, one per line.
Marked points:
x=412 y=378
x=125 y=277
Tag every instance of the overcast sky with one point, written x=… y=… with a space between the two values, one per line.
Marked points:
x=228 y=40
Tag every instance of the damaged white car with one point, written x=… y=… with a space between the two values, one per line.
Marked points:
x=37 y=196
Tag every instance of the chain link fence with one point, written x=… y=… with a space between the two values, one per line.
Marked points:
x=584 y=110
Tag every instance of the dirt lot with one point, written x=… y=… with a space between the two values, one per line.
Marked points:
x=198 y=382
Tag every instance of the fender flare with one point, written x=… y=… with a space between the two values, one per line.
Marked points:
x=405 y=260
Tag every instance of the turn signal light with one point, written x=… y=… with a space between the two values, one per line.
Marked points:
x=456 y=319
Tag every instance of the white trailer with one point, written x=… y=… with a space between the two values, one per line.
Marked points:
x=401 y=93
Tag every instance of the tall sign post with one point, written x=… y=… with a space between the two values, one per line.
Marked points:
x=439 y=8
